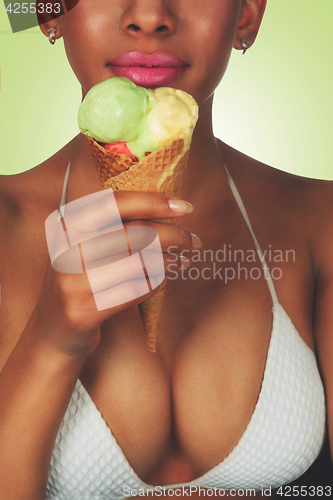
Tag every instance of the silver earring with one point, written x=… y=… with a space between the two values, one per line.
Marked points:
x=245 y=44
x=52 y=35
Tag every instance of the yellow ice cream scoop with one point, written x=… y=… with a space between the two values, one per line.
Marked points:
x=173 y=110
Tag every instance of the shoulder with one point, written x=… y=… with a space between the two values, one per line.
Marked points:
x=26 y=200
x=289 y=209
x=21 y=199
x=28 y=193
x=302 y=202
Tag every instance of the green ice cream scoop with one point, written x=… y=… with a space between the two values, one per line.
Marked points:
x=116 y=110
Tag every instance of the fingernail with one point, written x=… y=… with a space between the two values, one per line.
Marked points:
x=180 y=206
x=196 y=241
x=185 y=262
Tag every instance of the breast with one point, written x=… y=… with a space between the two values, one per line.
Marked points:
x=286 y=431
x=282 y=439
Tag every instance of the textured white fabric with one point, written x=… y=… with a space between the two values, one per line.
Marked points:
x=283 y=438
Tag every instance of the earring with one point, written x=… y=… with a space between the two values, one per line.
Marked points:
x=245 y=44
x=52 y=35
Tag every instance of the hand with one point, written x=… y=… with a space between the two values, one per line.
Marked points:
x=96 y=276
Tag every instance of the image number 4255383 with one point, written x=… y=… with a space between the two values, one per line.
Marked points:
x=25 y=15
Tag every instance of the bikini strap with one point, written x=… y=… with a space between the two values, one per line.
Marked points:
x=64 y=192
x=243 y=211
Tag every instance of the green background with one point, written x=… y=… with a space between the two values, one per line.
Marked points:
x=275 y=103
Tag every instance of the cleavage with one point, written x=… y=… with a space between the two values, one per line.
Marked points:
x=200 y=402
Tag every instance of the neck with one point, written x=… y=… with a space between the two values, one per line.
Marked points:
x=205 y=157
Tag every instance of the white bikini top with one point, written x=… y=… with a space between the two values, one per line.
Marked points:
x=283 y=438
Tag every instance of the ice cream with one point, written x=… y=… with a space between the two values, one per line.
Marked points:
x=140 y=141
x=118 y=111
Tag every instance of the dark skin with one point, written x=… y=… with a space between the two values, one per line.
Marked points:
x=168 y=439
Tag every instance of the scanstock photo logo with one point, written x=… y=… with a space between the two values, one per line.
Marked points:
x=122 y=263
x=25 y=15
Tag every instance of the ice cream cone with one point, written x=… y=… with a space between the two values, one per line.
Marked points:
x=161 y=171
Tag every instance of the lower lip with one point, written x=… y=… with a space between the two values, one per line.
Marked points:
x=149 y=77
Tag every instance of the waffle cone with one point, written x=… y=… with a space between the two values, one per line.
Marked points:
x=161 y=171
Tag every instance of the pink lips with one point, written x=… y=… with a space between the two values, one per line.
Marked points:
x=153 y=70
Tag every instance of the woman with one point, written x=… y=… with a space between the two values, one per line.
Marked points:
x=178 y=414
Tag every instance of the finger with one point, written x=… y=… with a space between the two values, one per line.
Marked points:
x=102 y=209
x=92 y=213
x=126 y=241
x=132 y=268
x=137 y=205
x=108 y=247
x=171 y=236
x=118 y=246
x=127 y=294
x=172 y=262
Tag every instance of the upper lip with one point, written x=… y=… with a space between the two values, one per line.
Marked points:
x=160 y=59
